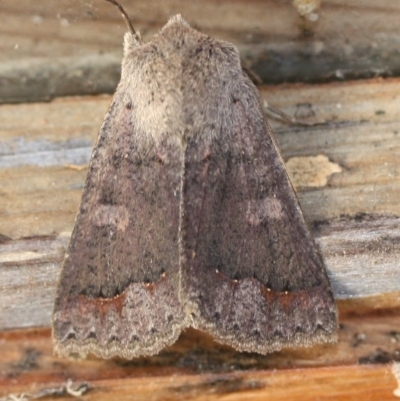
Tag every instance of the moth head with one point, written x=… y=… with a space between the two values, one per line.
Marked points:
x=131 y=41
x=176 y=19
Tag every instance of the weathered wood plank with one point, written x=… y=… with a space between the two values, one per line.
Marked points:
x=362 y=258
x=69 y=48
x=367 y=383
x=28 y=281
x=358 y=367
x=354 y=216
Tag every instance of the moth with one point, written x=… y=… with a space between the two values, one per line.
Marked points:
x=188 y=216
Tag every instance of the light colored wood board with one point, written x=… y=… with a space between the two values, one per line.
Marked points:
x=362 y=255
x=334 y=384
x=28 y=281
x=363 y=143
x=74 y=47
x=195 y=367
x=360 y=140
x=362 y=258
x=354 y=217
x=363 y=139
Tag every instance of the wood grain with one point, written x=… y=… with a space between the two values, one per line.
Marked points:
x=196 y=368
x=340 y=384
x=75 y=48
x=52 y=49
x=354 y=217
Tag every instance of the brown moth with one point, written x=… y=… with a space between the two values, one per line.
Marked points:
x=188 y=217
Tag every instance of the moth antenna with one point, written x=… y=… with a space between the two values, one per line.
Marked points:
x=124 y=16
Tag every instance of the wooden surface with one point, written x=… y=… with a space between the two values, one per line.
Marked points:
x=359 y=367
x=72 y=47
x=346 y=171
x=354 y=214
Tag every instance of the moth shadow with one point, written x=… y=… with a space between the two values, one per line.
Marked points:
x=197 y=352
